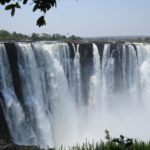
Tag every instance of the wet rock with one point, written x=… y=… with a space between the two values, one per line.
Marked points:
x=4 y=145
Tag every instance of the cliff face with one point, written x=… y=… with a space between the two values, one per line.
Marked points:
x=11 y=50
x=86 y=62
x=4 y=131
x=10 y=146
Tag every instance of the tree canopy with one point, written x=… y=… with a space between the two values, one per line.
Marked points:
x=7 y=36
x=42 y=5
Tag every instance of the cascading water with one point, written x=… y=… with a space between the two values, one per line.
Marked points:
x=11 y=107
x=55 y=108
x=77 y=75
x=94 y=94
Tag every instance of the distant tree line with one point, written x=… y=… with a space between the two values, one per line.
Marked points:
x=140 y=39
x=147 y=39
x=7 y=36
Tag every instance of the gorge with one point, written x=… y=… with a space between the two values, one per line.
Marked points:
x=54 y=93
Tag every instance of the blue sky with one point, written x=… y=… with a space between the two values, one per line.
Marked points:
x=84 y=18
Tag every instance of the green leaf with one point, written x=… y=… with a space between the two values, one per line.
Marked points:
x=8 y=7
x=13 y=11
x=35 y=8
x=17 y=5
x=25 y=1
x=3 y=2
x=41 y=21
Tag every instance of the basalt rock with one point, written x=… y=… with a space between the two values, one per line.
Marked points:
x=11 y=146
x=4 y=131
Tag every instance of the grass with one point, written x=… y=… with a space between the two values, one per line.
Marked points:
x=120 y=143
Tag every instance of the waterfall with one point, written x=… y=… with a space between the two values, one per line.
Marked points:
x=94 y=95
x=144 y=74
x=11 y=106
x=33 y=96
x=77 y=75
x=72 y=92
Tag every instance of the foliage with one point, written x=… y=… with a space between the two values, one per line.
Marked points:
x=138 y=39
x=73 y=37
x=147 y=39
x=41 y=5
x=5 y=35
x=120 y=143
x=109 y=145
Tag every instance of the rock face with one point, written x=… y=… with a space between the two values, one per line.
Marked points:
x=86 y=63
x=4 y=131
x=10 y=146
x=11 y=50
x=5 y=145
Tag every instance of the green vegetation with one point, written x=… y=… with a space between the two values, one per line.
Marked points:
x=122 y=39
x=147 y=39
x=120 y=143
x=37 y=5
x=7 y=36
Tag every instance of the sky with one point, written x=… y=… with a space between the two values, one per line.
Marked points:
x=85 y=18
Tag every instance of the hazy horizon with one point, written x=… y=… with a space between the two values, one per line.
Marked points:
x=84 y=18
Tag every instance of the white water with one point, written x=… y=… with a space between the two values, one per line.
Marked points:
x=55 y=112
x=94 y=92
x=12 y=108
x=77 y=75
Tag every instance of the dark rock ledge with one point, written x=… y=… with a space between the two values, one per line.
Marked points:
x=11 y=146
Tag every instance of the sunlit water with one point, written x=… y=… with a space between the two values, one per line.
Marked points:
x=53 y=111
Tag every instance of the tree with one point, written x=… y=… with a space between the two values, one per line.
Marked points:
x=42 y=5
x=73 y=37
x=35 y=36
x=5 y=35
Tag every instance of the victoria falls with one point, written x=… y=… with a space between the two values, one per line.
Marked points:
x=74 y=75
x=54 y=93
